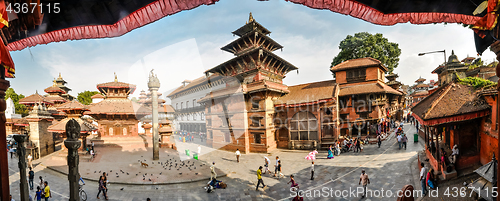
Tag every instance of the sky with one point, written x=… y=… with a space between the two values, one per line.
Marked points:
x=184 y=45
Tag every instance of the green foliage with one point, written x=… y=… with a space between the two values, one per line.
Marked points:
x=364 y=44
x=134 y=99
x=85 y=97
x=493 y=64
x=476 y=63
x=20 y=108
x=476 y=82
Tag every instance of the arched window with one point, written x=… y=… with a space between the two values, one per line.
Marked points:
x=177 y=106
x=304 y=126
x=182 y=106
x=187 y=104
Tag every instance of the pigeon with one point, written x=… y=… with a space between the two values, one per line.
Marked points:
x=180 y=173
x=136 y=174
x=111 y=171
x=149 y=179
x=194 y=167
x=99 y=171
x=160 y=173
x=121 y=189
x=143 y=179
x=127 y=173
x=196 y=173
x=158 y=162
x=95 y=171
x=117 y=176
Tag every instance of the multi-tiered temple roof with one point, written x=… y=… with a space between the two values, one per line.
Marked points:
x=254 y=53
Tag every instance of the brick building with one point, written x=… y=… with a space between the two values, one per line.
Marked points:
x=240 y=116
x=364 y=99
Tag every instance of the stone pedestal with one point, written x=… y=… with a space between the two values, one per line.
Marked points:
x=21 y=153
x=72 y=144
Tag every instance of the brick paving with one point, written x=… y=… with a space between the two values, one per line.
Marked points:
x=388 y=167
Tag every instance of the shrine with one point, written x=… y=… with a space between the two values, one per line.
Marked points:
x=117 y=115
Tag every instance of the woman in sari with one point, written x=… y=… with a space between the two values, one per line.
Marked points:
x=330 y=152
x=430 y=179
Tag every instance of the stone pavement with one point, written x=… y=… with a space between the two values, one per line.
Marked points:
x=388 y=167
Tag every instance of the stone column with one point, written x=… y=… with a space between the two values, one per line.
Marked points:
x=4 y=166
x=154 y=85
x=72 y=144
x=21 y=153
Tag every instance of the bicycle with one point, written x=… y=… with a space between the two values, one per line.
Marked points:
x=82 y=193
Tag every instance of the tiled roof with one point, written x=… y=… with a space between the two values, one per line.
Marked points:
x=116 y=84
x=72 y=105
x=418 y=93
x=55 y=98
x=448 y=100
x=60 y=127
x=165 y=129
x=357 y=63
x=21 y=122
x=367 y=89
x=54 y=89
x=117 y=106
x=35 y=98
x=309 y=92
x=97 y=96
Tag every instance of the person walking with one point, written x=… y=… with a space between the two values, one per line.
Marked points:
x=259 y=179
x=364 y=180
x=399 y=138
x=266 y=164
x=38 y=195
x=294 y=185
x=423 y=179
x=404 y=140
x=30 y=160
x=358 y=145
x=330 y=152
x=238 y=154
x=41 y=184
x=312 y=171
x=276 y=166
x=47 y=191
x=102 y=188
x=31 y=177
x=337 y=148
x=105 y=181
x=92 y=146
x=280 y=172
x=213 y=174
x=379 y=140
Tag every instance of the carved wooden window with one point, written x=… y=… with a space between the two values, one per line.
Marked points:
x=257 y=138
x=304 y=126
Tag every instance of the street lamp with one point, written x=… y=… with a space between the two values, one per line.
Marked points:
x=443 y=51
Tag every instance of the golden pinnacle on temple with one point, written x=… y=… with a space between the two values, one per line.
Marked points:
x=250 y=18
x=116 y=78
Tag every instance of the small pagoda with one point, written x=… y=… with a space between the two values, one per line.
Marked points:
x=74 y=110
x=117 y=115
x=61 y=84
x=392 y=81
x=254 y=78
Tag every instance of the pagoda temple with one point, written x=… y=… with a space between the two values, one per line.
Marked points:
x=34 y=99
x=61 y=84
x=74 y=110
x=450 y=70
x=117 y=115
x=239 y=116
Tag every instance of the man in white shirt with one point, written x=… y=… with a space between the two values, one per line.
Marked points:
x=454 y=154
x=423 y=178
x=312 y=171
x=399 y=140
x=238 y=154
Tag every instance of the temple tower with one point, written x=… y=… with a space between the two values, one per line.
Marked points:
x=240 y=116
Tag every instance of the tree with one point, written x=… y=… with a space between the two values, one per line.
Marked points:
x=85 y=97
x=364 y=44
x=19 y=108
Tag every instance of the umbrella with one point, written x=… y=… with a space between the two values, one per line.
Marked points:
x=311 y=155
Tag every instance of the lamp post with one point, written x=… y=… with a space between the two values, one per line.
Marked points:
x=443 y=51
x=154 y=85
